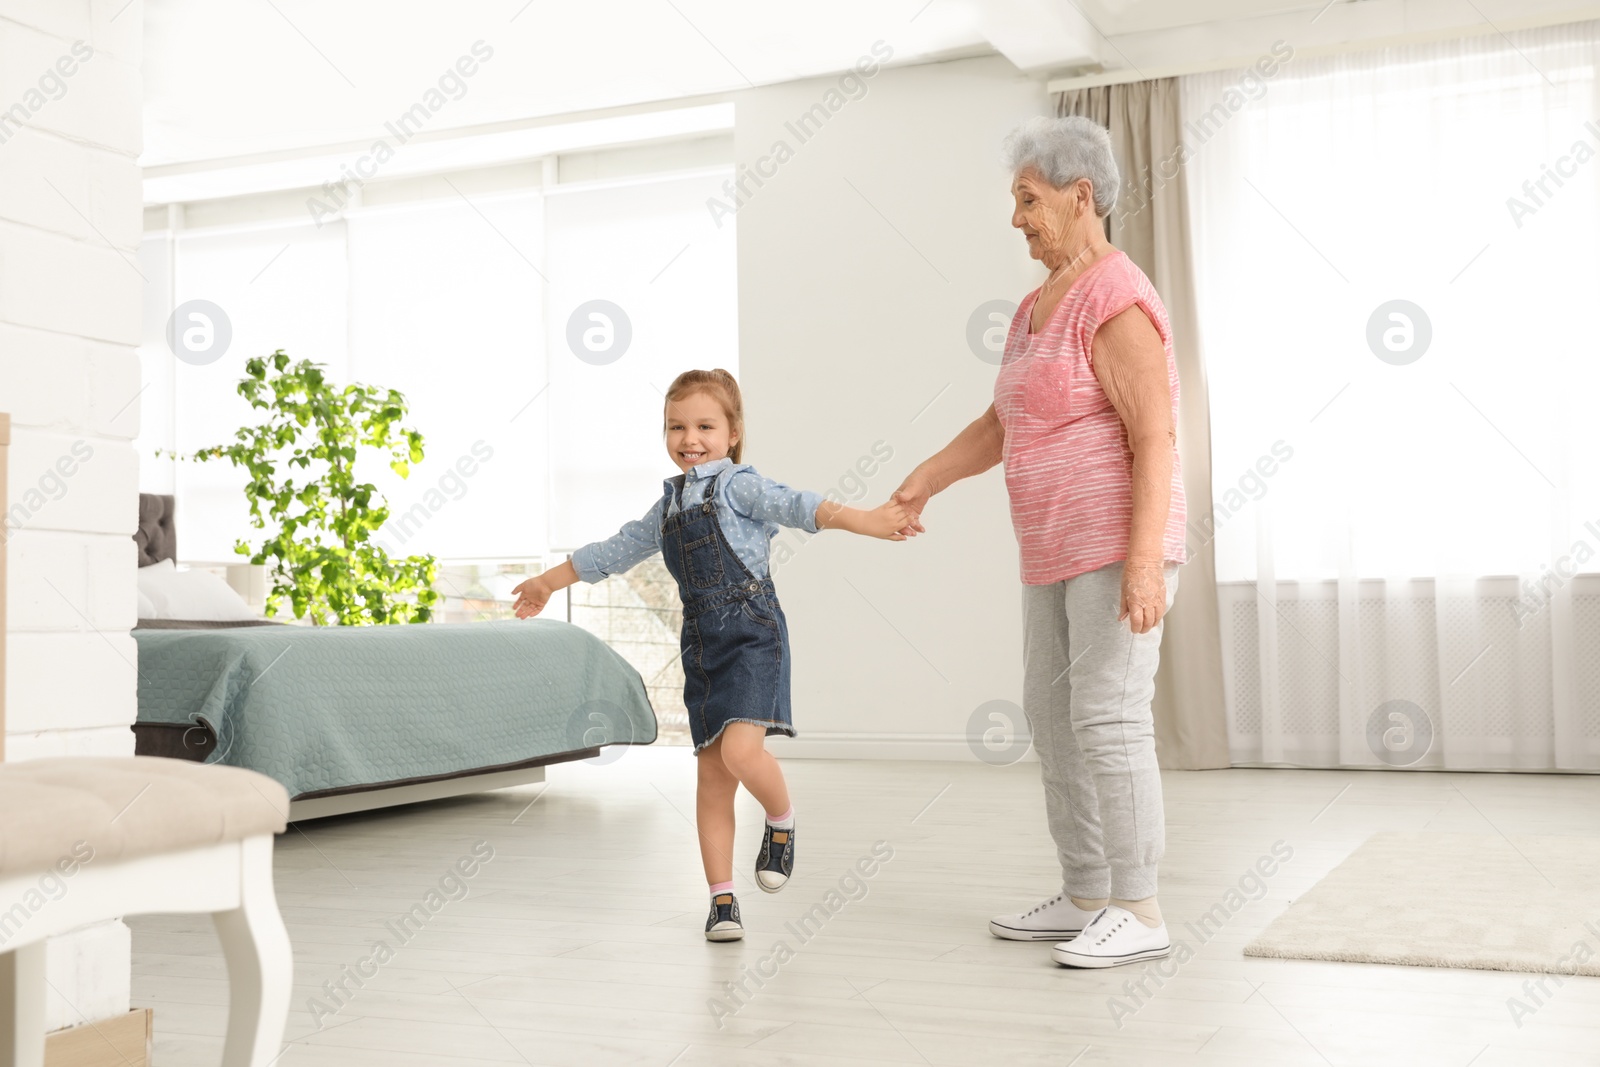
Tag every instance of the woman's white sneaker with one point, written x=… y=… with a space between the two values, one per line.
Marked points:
x=1053 y=920
x=1115 y=936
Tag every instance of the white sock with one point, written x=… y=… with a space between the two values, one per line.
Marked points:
x=784 y=821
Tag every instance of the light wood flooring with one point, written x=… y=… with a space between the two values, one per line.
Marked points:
x=581 y=941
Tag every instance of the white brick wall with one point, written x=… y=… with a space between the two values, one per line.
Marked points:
x=64 y=383
x=83 y=288
x=70 y=316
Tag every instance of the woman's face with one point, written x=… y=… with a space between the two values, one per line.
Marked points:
x=697 y=430
x=1044 y=214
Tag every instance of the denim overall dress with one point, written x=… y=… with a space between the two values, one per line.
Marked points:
x=735 y=638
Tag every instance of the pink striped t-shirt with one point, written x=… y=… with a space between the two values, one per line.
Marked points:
x=1068 y=466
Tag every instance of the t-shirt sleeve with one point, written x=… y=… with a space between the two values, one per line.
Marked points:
x=1112 y=292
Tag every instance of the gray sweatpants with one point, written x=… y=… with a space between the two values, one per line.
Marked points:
x=1087 y=684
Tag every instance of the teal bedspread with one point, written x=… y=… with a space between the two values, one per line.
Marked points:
x=332 y=707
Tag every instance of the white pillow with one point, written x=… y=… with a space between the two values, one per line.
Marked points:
x=191 y=595
x=152 y=580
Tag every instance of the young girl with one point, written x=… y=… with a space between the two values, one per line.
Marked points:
x=712 y=526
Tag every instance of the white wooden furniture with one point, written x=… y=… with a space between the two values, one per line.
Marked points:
x=82 y=840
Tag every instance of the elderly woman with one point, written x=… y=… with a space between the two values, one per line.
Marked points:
x=1084 y=420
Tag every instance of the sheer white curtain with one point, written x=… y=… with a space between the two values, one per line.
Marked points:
x=1397 y=256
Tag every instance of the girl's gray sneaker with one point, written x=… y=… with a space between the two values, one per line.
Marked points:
x=775 y=863
x=724 y=924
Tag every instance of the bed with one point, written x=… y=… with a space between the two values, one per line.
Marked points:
x=351 y=718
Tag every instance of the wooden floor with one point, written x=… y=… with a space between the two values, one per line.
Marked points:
x=580 y=942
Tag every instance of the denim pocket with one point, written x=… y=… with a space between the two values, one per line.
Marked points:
x=755 y=609
x=696 y=682
x=702 y=561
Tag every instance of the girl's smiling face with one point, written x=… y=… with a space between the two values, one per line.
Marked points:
x=698 y=430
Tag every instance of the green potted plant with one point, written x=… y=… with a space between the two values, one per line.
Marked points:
x=320 y=554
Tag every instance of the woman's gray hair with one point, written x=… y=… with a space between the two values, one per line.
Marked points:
x=1067 y=150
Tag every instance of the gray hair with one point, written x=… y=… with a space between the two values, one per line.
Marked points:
x=1067 y=150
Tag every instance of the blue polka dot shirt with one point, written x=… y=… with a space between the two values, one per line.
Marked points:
x=750 y=508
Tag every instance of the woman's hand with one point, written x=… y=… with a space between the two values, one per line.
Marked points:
x=1144 y=594
x=913 y=496
x=532 y=596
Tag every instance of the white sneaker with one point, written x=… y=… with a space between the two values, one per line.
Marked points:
x=1115 y=936
x=1053 y=920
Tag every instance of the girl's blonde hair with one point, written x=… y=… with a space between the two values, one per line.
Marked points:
x=720 y=386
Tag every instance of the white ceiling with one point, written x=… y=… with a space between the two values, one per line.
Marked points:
x=235 y=77
x=1117 y=17
x=242 y=78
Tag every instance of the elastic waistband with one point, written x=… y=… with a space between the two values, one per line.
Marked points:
x=742 y=591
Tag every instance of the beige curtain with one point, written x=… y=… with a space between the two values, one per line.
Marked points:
x=1150 y=224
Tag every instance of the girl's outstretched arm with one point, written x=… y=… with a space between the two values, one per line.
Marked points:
x=756 y=497
x=535 y=593
x=636 y=541
x=886 y=521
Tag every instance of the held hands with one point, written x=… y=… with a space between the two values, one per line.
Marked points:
x=887 y=521
x=913 y=496
x=1144 y=594
x=532 y=596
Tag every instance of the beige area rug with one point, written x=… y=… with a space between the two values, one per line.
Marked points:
x=1451 y=900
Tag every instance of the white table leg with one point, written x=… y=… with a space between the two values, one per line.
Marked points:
x=260 y=963
x=22 y=1007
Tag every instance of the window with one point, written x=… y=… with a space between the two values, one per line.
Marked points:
x=532 y=448
x=1357 y=182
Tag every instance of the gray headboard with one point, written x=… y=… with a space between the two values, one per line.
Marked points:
x=156 y=537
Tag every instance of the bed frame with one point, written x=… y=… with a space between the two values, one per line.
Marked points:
x=157 y=541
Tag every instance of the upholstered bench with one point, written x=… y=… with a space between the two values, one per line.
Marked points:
x=82 y=840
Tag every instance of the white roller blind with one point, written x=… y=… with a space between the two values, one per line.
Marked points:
x=530 y=448
x=445 y=303
x=652 y=250
x=279 y=288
